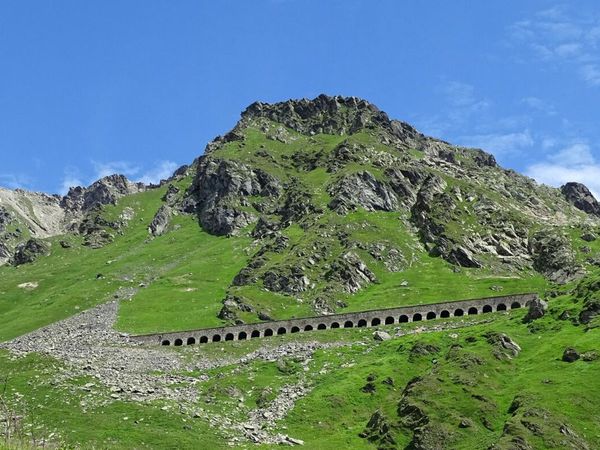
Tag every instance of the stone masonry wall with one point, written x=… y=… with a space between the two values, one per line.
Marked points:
x=347 y=320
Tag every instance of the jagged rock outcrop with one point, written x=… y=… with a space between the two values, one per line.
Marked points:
x=580 y=196
x=351 y=273
x=5 y=253
x=170 y=196
x=161 y=221
x=290 y=280
x=29 y=251
x=105 y=191
x=219 y=190
x=332 y=115
x=530 y=423
x=39 y=213
x=361 y=190
x=378 y=431
x=503 y=347
x=537 y=309
x=554 y=257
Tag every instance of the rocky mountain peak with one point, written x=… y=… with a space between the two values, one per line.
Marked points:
x=105 y=191
x=581 y=197
x=330 y=115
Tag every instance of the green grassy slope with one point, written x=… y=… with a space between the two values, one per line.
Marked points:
x=461 y=379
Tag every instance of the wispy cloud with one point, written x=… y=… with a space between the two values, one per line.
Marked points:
x=574 y=162
x=161 y=171
x=14 y=181
x=461 y=104
x=501 y=144
x=73 y=176
x=559 y=36
x=537 y=104
x=104 y=169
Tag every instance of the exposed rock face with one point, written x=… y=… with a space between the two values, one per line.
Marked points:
x=503 y=347
x=332 y=115
x=40 y=213
x=530 y=423
x=378 y=431
x=362 y=190
x=5 y=219
x=220 y=186
x=231 y=306
x=105 y=191
x=5 y=253
x=289 y=280
x=30 y=251
x=171 y=195
x=581 y=197
x=554 y=257
x=351 y=273
x=570 y=355
x=537 y=309
x=381 y=336
x=161 y=221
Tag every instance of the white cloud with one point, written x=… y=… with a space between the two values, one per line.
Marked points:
x=573 y=163
x=461 y=104
x=14 y=181
x=73 y=176
x=591 y=74
x=104 y=169
x=575 y=154
x=538 y=104
x=162 y=171
x=558 y=36
x=498 y=143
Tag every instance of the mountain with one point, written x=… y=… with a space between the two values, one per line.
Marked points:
x=308 y=207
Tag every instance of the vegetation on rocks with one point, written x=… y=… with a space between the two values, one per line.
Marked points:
x=306 y=207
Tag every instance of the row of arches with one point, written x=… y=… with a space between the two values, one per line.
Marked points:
x=360 y=323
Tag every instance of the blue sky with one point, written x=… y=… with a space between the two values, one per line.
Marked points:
x=139 y=87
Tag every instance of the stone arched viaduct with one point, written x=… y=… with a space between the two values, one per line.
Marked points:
x=348 y=320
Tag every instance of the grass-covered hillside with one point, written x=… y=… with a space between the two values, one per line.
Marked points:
x=328 y=208
x=304 y=208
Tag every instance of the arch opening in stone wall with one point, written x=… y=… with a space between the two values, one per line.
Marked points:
x=308 y=328
x=403 y=318
x=348 y=324
x=229 y=337
x=255 y=334
x=459 y=313
x=242 y=336
x=191 y=341
x=417 y=317
x=335 y=325
x=501 y=307
x=178 y=342
x=281 y=330
x=375 y=321
x=389 y=320
x=445 y=314
x=216 y=338
x=268 y=332
x=321 y=326
x=362 y=323
x=487 y=309
x=204 y=340
x=515 y=305
x=295 y=330
x=165 y=342
x=431 y=315
x=472 y=311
